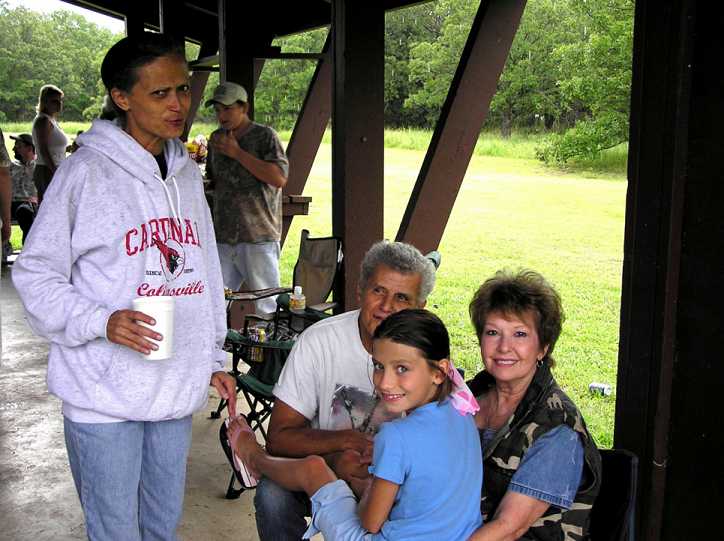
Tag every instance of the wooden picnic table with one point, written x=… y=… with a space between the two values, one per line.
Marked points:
x=292 y=204
x=295 y=205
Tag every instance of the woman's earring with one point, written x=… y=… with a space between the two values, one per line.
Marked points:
x=539 y=363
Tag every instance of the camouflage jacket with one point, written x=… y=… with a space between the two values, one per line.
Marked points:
x=246 y=209
x=544 y=407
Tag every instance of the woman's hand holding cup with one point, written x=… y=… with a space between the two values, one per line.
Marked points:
x=139 y=328
x=122 y=329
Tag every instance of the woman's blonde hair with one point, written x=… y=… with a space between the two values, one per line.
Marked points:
x=46 y=91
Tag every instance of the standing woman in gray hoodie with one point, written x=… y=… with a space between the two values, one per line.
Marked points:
x=126 y=217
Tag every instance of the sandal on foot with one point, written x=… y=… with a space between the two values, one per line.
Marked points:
x=242 y=473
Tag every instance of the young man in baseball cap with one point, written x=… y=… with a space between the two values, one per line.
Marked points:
x=248 y=168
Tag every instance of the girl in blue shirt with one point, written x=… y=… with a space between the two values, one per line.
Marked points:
x=426 y=465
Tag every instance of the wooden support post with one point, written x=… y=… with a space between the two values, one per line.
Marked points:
x=171 y=16
x=357 y=135
x=238 y=50
x=134 y=19
x=236 y=63
x=309 y=130
x=669 y=377
x=461 y=119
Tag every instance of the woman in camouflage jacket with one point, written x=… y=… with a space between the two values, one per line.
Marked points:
x=542 y=470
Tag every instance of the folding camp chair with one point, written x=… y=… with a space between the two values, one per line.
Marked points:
x=316 y=269
x=266 y=360
x=613 y=513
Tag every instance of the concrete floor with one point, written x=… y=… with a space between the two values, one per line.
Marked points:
x=38 y=500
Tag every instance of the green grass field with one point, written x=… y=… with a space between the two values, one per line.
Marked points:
x=512 y=211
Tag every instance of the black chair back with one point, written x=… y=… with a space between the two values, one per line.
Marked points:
x=613 y=514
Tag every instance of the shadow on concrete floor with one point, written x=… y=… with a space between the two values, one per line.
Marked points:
x=38 y=500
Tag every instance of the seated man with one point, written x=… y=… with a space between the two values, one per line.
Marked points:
x=324 y=397
x=5 y=191
x=25 y=196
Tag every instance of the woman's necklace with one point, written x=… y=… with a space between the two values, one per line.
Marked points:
x=498 y=412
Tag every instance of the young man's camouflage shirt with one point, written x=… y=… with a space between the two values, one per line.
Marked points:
x=246 y=209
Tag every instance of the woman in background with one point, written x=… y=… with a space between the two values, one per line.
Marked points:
x=49 y=140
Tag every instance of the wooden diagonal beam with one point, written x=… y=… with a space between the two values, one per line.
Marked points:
x=461 y=119
x=198 y=85
x=309 y=129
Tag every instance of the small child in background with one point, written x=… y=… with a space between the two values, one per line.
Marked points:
x=426 y=466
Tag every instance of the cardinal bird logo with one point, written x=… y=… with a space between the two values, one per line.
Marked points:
x=172 y=257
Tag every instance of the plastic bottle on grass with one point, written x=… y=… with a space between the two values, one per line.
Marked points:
x=604 y=389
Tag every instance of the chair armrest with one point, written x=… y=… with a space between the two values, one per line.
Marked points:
x=260 y=317
x=257 y=294
x=435 y=257
x=323 y=306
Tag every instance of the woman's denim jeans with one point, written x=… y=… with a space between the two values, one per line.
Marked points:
x=130 y=476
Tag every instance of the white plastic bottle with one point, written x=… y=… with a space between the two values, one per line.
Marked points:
x=297 y=300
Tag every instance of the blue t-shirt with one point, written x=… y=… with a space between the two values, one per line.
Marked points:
x=434 y=455
x=551 y=469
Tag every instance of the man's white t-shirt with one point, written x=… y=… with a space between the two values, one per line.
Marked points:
x=328 y=377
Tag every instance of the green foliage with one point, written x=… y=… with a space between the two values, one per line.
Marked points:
x=283 y=84
x=594 y=77
x=568 y=73
x=569 y=64
x=16 y=237
x=610 y=163
x=586 y=140
x=404 y=28
x=528 y=94
x=60 y=48
x=433 y=62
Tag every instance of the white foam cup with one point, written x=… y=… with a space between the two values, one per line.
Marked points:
x=161 y=309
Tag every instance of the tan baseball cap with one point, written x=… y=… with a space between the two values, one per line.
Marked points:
x=227 y=94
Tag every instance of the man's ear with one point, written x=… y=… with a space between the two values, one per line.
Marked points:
x=120 y=98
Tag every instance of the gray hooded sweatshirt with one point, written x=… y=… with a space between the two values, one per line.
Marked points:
x=110 y=230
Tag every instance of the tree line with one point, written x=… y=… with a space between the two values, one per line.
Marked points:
x=568 y=74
